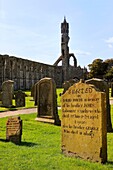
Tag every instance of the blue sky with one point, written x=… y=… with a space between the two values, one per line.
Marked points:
x=30 y=29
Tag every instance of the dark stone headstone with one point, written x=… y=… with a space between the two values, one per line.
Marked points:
x=112 y=90
x=14 y=130
x=33 y=91
x=103 y=86
x=47 y=100
x=20 y=99
x=68 y=84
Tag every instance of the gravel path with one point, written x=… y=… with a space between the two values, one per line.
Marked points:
x=18 y=112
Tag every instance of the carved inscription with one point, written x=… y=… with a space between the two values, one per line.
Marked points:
x=14 y=129
x=81 y=110
x=82 y=113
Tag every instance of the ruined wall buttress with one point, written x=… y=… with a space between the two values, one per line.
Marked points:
x=25 y=73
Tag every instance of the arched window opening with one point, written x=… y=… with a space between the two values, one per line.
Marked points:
x=60 y=63
x=71 y=61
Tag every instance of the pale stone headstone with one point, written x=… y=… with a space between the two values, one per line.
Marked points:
x=20 y=99
x=103 y=86
x=14 y=129
x=7 y=93
x=84 y=127
x=47 y=100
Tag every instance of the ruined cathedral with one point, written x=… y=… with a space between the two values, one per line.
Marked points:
x=26 y=73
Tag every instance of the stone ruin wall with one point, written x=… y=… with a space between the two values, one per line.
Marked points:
x=26 y=73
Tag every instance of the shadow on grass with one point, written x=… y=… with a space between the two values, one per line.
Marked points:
x=3 y=140
x=28 y=144
x=110 y=162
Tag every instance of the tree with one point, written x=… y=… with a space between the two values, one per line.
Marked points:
x=97 y=68
x=109 y=74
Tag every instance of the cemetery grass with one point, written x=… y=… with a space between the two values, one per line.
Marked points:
x=29 y=101
x=40 y=149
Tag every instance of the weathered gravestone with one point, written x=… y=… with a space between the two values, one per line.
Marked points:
x=0 y=96
x=47 y=101
x=112 y=90
x=69 y=83
x=20 y=99
x=14 y=130
x=84 y=129
x=33 y=91
x=103 y=86
x=7 y=93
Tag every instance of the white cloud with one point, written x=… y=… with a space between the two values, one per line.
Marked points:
x=80 y=52
x=109 y=42
x=110 y=45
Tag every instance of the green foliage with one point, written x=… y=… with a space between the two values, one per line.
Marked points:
x=109 y=74
x=101 y=69
x=97 y=68
x=109 y=62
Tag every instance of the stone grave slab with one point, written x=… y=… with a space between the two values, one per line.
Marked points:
x=20 y=99
x=14 y=129
x=47 y=101
x=7 y=93
x=84 y=123
x=103 y=87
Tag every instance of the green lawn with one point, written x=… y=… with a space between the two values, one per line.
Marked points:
x=40 y=149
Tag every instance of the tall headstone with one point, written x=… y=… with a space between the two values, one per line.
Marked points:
x=33 y=91
x=14 y=129
x=103 y=86
x=7 y=93
x=111 y=89
x=47 y=100
x=20 y=99
x=84 y=129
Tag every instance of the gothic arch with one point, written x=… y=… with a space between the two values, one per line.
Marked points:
x=74 y=58
x=58 y=60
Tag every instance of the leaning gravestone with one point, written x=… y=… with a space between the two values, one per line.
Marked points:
x=14 y=130
x=20 y=99
x=7 y=93
x=103 y=86
x=84 y=129
x=47 y=101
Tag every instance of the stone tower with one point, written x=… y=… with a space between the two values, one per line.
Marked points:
x=69 y=70
x=64 y=47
